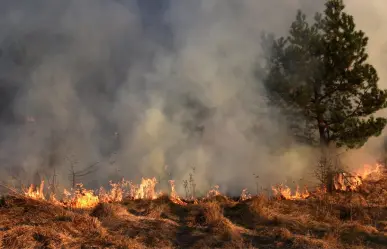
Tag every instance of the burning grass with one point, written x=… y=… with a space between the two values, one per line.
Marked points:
x=136 y=216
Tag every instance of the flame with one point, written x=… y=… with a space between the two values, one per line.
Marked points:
x=82 y=198
x=283 y=191
x=320 y=190
x=55 y=201
x=245 y=195
x=146 y=190
x=213 y=192
x=351 y=182
x=174 y=196
x=369 y=171
x=347 y=182
x=115 y=194
x=37 y=193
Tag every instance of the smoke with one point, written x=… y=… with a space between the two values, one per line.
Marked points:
x=148 y=88
x=370 y=18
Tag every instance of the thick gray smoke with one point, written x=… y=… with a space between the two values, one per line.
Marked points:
x=371 y=18
x=146 y=88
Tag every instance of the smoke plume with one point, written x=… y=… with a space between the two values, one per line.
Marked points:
x=149 y=88
x=370 y=18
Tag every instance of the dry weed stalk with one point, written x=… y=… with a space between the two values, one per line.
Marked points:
x=190 y=186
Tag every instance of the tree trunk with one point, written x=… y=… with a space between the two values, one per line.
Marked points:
x=324 y=144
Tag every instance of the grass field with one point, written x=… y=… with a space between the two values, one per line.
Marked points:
x=355 y=220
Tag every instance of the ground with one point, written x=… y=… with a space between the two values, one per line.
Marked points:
x=340 y=220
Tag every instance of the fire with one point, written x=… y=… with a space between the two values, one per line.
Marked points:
x=35 y=193
x=283 y=191
x=56 y=201
x=85 y=200
x=369 y=171
x=115 y=194
x=82 y=198
x=351 y=182
x=146 y=190
x=245 y=195
x=344 y=182
x=213 y=192
x=174 y=196
x=321 y=190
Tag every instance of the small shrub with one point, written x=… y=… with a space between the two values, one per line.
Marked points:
x=212 y=213
x=258 y=204
x=103 y=210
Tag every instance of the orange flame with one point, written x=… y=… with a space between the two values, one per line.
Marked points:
x=283 y=191
x=115 y=194
x=146 y=190
x=213 y=192
x=37 y=193
x=351 y=182
x=369 y=171
x=82 y=198
x=347 y=182
x=321 y=190
x=245 y=195
x=174 y=196
x=55 y=201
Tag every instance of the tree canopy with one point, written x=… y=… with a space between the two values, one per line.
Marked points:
x=319 y=76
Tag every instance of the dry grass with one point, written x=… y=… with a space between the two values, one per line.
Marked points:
x=340 y=220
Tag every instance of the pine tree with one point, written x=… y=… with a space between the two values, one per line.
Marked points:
x=319 y=77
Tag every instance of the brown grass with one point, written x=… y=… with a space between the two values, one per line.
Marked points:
x=339 y=220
